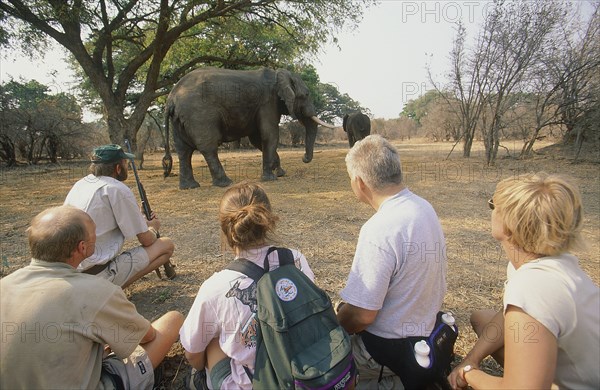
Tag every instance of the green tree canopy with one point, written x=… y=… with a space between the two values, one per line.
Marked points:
x=132 y=52
x=329 y=102
x=417 y=109
x=337 y=104
x=36 y=124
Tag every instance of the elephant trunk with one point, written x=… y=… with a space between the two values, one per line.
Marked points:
x=308 y=155
x=309 y=141
x=310 y=123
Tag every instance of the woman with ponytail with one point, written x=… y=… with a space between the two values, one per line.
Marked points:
x=219 y=333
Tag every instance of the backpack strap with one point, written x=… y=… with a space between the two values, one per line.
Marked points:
x=285 y=255
x=250 y=269
x=246 y=267
x=253 y=271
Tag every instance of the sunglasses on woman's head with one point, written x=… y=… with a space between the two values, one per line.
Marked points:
x=491 y=203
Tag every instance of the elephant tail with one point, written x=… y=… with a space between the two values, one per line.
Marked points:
x=167 y=161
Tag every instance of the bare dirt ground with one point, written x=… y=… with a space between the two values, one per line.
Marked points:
x=318 y=215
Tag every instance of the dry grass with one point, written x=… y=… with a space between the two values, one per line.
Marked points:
x=318 y=215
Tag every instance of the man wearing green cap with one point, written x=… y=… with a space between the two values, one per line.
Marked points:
x=114 y=209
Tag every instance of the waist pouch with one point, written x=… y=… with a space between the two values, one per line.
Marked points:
x=399 y=355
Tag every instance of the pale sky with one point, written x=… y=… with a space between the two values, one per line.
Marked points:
x=382 y=64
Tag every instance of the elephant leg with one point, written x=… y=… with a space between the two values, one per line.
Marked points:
x=268 y=164
x=278 y=170
x=186 y=176
x=351 y=139
x=219 y=178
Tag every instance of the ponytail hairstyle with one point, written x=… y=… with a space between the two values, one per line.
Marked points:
x=245 y=215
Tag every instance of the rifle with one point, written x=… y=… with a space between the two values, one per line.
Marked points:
x=169 y=268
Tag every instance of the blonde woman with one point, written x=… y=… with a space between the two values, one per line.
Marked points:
x=551 y=306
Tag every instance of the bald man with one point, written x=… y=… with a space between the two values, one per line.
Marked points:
x=65 y=329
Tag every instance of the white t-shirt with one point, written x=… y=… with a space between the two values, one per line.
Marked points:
x=399 y=267
x=113 y=207
x=222 y=309
x=561 y=296
x=510 y=271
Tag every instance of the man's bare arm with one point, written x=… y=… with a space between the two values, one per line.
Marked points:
x=355 y=319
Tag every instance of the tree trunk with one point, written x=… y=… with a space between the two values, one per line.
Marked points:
x=40 y=151
x=30 y=146
x=467 y=145
x=53 y=149
x=120 y=129
x=144 y=137
x=494 y=151
x=528 y=146
x=579 y=140
x=8 y=152
x=469 y=132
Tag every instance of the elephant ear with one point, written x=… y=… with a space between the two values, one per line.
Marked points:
x=285 y=90
x=345 y=122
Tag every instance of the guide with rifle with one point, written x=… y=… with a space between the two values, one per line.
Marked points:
x=112 y=205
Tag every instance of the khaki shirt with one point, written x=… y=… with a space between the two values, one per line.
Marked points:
x=55 y=324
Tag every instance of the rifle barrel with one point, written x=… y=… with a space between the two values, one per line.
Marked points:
x=143 y=197
x=169 y=268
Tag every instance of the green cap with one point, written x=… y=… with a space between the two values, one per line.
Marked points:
x=110 y=154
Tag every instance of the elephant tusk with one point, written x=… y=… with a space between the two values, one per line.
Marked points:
x=320 y=122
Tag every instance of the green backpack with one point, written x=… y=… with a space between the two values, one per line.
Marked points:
x=300 y=344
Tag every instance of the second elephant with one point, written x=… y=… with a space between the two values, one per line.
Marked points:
x=357 y=125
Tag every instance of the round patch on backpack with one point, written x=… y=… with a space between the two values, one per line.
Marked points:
x=286 y=290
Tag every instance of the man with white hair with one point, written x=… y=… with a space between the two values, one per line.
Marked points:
x=397 y=281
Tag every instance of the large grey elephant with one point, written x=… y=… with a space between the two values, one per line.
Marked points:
x=210 y=106
x=357 y=125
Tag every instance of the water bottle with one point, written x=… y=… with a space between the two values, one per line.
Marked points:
x=422 y=353
x=448 y=319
